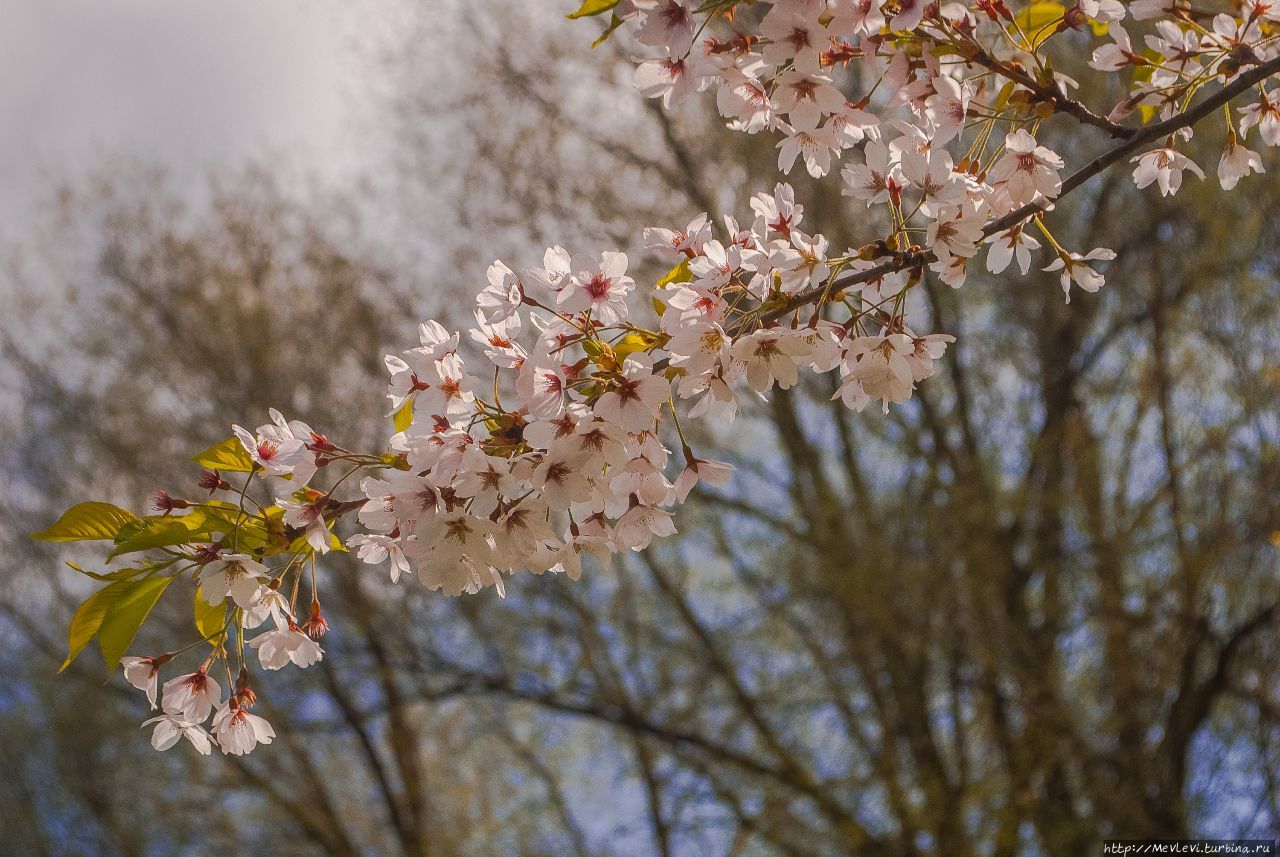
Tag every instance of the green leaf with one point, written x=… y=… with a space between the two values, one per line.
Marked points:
x=210 y=620
x=404 y=417
x=679 y=274
x=87 y=522
x=593 y=7
x=122 y=574
x=614 y=24
x=159 y=531
x=1037 y=16
x=631 y=343
x=125 y=615
x=229 y=455
x=88 y=619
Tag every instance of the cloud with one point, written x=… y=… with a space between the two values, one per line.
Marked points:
x=184 y=83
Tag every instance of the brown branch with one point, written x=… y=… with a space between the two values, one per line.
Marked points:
x=1051 y=94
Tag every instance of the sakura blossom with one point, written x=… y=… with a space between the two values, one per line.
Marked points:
x=170 y=729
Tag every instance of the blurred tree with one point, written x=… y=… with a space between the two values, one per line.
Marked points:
x=1034 y=608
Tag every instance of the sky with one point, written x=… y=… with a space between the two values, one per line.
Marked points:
x=182 y=83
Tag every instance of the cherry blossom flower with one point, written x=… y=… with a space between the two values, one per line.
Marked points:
x=679 y=243
x=1117 y=55
x=501 y=299
x=1027 y=169
x=910 y=13
x=931 y=172
x=375 y=549
x=308 y=515
x=561 y=480
x=281 y=646
x=1010 y=244
x=927 y=349
x=956 y=231
x=802 y=264
x=876 y=180
x=1265 y=116
x=191 y=697
x=550 y=278
x=947 y=108
x=668 y=79
x=1236 y=163
x=270 y=605
x=639 y=524
x=700 y=470
x=169 y=729
x=815 y=145
x=633 y=400
x=237 y=731
x=768 y=357
x=541 y=386
x=274 y=447
x=794 y=36
x=453 y=553
x=714 y=392
x=1074 y=270
x=236 y=575
x=699 y=346
x=600 y=287
x=670 y=24
x=806 y=97
x=143 y=673
x=1164 y=167
x=779 y=211
x=498 y=339
x=880 y=366
x=484 y=480
x=857 y=17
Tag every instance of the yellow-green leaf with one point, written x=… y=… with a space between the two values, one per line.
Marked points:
x=88 y=619
x=404 y=417
x=593 y=7
x=159 y=531
x=229 y=455
x=1038 y=16
x=679 y=274
x=210 y=620
x=631 y=343
x=87 y=522
x=107 y=577
x=614 y=24
x=125 y=615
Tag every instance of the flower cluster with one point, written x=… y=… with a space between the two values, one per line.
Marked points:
x=551 y=428
x=962 y=88
x=559 y=452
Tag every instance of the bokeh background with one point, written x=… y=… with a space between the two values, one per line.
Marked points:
x=1033 y=608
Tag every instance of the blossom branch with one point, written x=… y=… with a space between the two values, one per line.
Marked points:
x=915 y=259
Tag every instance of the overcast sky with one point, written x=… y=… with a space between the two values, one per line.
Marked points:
x=186 y=83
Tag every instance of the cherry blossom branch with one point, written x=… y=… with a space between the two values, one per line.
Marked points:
x=911 y=259
x=561 y=455
x=1050 y=94
x=1146 y=135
